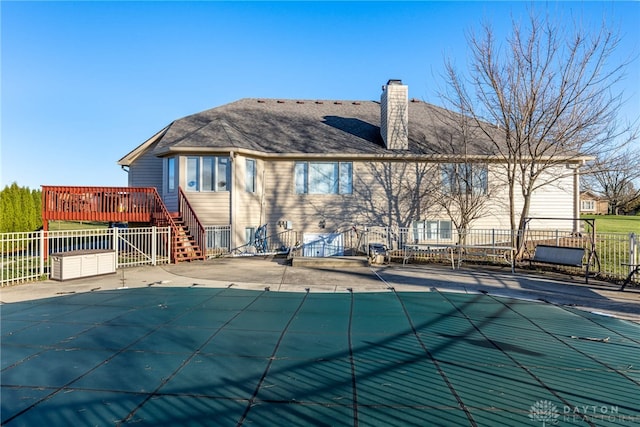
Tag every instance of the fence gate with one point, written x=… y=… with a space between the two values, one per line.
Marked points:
x=138 y=246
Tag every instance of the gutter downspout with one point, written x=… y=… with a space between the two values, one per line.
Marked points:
x=576 y=199
x=232 y=201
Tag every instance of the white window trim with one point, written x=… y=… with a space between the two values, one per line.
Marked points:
x=171 y=183
x=422 y=230
x=302 y=170
x=198 y=184
x=478 y=172
x=251 y=182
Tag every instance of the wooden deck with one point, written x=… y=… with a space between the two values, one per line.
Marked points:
x=141 y=205
x=105 y=204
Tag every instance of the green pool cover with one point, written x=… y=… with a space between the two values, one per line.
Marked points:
x=227 y=357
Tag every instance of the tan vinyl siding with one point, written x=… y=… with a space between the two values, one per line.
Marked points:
x=304 y=210
x=248 y=213
x=380 y=188
x=146 y=171
x=171 y=201
x=382 y=194
x=213 y=208
x=554 y=200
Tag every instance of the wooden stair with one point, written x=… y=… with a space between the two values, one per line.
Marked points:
x=184 y=245
x=141 y=205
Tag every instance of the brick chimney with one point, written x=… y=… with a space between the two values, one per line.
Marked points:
x=394 y=115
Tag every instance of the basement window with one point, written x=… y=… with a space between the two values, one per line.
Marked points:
x=431 y=230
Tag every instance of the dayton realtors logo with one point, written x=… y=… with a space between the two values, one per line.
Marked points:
x=545 y=412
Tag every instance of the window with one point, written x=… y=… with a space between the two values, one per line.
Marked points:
x=171 y=174
x=324 y=178
x=249 y=235
x=250 y=176
x=588 y=205
x=431 y=230
x=465 y=178
x=208 y=173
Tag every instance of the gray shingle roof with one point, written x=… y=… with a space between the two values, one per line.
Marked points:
x=311 y=127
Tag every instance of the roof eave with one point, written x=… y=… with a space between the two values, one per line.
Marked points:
x=395 y=156
x=131 y=157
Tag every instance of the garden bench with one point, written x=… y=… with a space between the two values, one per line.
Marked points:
x=560 y=255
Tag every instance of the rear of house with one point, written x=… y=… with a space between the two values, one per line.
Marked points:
x=318 y=166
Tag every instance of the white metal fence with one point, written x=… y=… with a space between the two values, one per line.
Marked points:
x=217 y=239
x=612 y=254
x=27 y=256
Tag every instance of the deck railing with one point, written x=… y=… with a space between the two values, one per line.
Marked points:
x=191 y=221
x=114 y=204
x=105 y=204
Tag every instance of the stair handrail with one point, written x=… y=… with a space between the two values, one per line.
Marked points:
x=192 y=221
x=288 y=244
x=165 y=215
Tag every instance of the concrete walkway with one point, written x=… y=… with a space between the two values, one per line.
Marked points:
x=258 y=273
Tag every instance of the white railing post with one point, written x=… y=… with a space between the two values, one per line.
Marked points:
x=154 y=244
x=633 y=252
x=114 y=243
x=41 y=252
x=169 y=244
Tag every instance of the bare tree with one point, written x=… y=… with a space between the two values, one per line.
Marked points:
x=464 y=194
x=464 y=189
x=407 y=192
x=617 y=178
x=545 y=98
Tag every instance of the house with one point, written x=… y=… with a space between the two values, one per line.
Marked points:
x=593 y=204
x=324 y=165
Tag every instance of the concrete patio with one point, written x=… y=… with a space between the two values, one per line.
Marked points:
x=253 y=341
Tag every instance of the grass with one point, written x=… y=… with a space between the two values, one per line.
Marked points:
x=611 y=250
x=75 y=225
x=616 y=223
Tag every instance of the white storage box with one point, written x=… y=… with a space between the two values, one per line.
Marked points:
x=74 y=264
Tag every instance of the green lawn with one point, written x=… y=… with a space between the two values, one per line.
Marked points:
x=616 y=223
x=75 y=225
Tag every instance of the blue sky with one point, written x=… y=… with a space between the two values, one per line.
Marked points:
x=84 y=83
